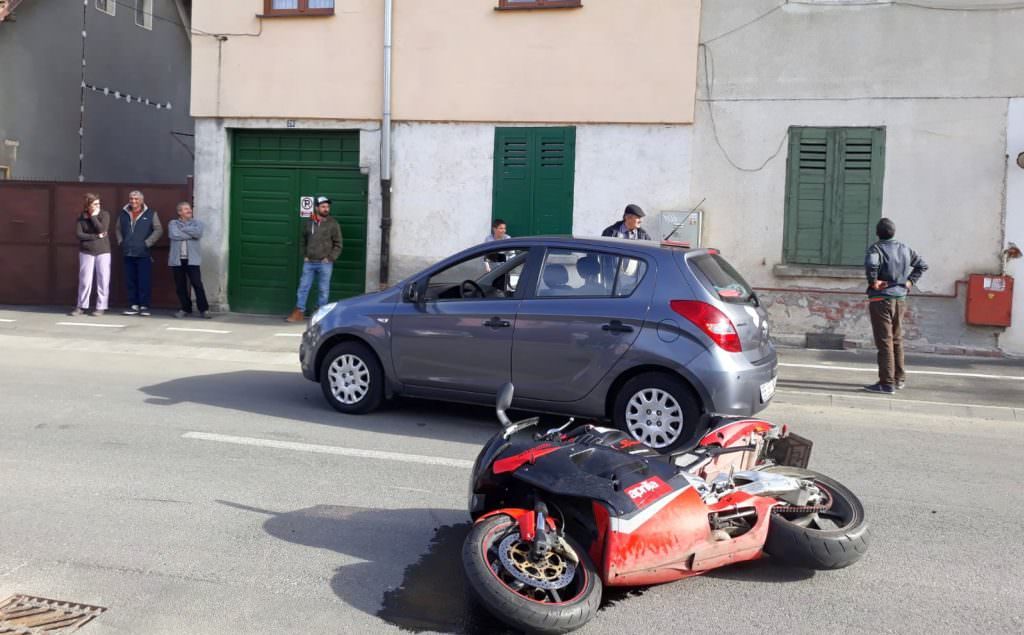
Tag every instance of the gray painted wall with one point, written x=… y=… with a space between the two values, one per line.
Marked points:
x=940 y=81
x=40 y=76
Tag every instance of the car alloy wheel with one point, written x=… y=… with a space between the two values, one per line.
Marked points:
x=350 y=379
x=654 y=417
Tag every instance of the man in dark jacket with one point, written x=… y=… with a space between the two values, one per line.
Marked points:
x=629 y=226
x=891 y=268
x=138 y=228
x=321 y=246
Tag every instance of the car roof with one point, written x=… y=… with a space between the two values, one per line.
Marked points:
x=652 y=246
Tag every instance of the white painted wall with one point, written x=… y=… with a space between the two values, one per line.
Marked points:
x=1012 y=340
x=442 y=183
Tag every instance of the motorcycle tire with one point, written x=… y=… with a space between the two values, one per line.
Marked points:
x=830 y=539
x=486 y=576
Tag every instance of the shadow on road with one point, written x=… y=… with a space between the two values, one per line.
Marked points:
x=428 y=595
x=288 y=395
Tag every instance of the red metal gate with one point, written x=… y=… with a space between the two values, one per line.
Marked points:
x=39 y=248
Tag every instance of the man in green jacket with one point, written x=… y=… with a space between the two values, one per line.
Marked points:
x=321 y=246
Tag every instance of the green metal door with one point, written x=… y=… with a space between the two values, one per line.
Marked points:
x=270 y=172
x=533 y=179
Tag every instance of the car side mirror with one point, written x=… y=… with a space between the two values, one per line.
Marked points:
x=415 y=292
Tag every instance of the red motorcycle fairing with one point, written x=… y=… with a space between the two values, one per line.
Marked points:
x=733 y=432
x=670 y=538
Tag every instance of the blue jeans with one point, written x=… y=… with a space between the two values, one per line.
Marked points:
x=137 y=276
x=323 y=272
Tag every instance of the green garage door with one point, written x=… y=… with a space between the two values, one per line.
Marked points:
x=270 y=172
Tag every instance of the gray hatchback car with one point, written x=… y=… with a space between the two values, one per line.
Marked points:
x=654 y=338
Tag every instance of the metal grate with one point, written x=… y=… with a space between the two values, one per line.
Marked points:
x=27 y=615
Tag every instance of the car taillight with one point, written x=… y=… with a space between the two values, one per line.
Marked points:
x=713 y=322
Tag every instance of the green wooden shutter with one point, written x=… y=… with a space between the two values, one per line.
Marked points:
x=534 y=169
x=553 y=160
x=858 y=193
x=833 y=194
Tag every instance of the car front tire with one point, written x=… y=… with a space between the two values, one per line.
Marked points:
x=351 y=378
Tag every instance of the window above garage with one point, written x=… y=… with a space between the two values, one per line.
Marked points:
x=290 y=8
x=513 y=5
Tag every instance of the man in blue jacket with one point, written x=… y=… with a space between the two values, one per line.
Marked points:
x=891 y=268
x=138 y=229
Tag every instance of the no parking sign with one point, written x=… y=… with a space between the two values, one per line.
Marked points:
x=305 y=206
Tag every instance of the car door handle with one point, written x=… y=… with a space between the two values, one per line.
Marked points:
x=616 y=326
x=497 y=323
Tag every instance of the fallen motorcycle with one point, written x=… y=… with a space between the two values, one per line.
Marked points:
x=560 y=514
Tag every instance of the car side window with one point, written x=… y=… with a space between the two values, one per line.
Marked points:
x=492 y=275
x=576 y=273
x=631 y=271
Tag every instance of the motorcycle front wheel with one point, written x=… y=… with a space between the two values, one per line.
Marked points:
x=830 y=535
x=551 y=595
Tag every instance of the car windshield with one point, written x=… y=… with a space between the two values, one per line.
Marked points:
x=721 y=279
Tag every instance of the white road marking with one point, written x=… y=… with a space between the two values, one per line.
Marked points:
x=871 y=369
x=99 y=326
x=893 y=398
x=409 y=489
x=6 y=320
x=287 y=334
x=331 y=449
x=179 y=328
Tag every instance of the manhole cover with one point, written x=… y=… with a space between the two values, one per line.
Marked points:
x=27 y=615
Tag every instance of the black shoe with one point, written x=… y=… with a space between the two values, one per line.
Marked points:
x=144 y=311
x=885 y=389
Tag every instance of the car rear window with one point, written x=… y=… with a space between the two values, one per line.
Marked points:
x=722 y=280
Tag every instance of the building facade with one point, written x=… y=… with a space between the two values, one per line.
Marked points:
x=816 y=118
x=95 y=90
x=550 y=115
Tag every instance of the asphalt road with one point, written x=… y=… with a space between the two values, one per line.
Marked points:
x=216 y=496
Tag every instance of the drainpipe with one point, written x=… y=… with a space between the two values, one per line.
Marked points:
x=385 y=154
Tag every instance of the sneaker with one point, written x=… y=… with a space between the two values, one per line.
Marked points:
x=144 y=310
x=901 y=384
x=181 y=314
x=132 y=310
x=885 y=389
x=75 y=312
x=205 y=315
x=98 y=313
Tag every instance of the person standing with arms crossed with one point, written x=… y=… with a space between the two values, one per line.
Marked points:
x=321 y=246
x=184 y=259
x=892 y=268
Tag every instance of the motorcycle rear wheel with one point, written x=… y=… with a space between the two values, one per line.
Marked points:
x=832 y=538
x=529 y=608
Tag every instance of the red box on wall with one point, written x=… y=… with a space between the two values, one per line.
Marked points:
x=989 y=299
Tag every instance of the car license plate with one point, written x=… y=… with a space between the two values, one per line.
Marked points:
x=768 y=390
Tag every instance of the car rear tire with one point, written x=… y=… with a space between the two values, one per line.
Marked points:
x=657 y=409
x=351 y=378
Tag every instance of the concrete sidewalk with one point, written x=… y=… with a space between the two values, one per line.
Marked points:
x=985 y=387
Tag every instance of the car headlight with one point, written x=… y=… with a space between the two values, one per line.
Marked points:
x=321 y=313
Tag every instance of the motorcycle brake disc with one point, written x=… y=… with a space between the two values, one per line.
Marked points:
x=553 y=571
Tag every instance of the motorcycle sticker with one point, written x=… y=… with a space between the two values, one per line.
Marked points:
x=647 y=491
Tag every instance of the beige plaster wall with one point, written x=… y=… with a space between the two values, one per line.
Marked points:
x=610 y=61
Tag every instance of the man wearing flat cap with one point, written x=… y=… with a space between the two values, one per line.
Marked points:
x=321 y=246
x=629 y=227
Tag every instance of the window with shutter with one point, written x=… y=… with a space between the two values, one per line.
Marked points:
x=833 y=194
x=533 y=179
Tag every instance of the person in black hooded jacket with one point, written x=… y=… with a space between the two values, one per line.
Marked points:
x=892 y=268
